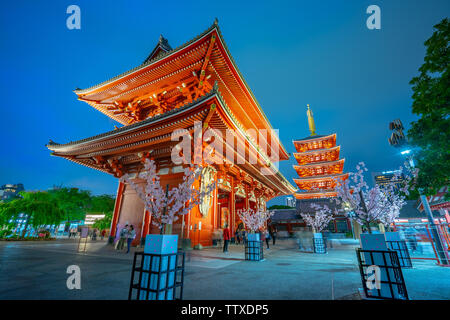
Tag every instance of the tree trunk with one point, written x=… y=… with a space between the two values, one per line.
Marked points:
x=26 y=227
x=163 y=228
x=365 y=210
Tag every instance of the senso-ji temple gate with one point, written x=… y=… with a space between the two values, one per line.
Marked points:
x=173 y=89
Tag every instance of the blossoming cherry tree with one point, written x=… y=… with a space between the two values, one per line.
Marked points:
x=254 y=220
x=165 y=206
x=320 y=219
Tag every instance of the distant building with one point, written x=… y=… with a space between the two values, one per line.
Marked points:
x=290 y=220
x=386 y=177
x=290 y=201
x=92 y=217
x=438 y=202
x=410 y=213
x=10 y=191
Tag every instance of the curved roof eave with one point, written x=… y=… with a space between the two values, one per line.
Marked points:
x=166 y=55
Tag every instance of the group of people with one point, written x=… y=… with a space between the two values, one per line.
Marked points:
x=94 y=234
x=241 y=235
x=73 y=232
x=267 y=234
x=127 y=234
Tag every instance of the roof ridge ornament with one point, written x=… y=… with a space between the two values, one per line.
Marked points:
x=161 y=49
x=216 y=86
x=164 y=43
x=312 y=125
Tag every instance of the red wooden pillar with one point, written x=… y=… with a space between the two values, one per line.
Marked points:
x=115 y=218
x=247 y=201
x=232 y=208
x=349 y=224
x=146 y=224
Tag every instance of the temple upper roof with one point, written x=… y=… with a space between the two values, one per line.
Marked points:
x=170 y=78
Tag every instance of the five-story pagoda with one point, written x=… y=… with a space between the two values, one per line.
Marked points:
x=318 y=164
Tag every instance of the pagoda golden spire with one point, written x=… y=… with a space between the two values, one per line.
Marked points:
x=312 y=126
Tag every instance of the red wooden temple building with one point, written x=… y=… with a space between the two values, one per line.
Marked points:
x=198 y=82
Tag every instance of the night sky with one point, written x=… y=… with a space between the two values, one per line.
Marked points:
x=290 y=53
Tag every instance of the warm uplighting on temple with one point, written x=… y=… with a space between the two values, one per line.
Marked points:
x=173 y=89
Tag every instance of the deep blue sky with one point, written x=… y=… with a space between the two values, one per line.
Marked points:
x=290 y=52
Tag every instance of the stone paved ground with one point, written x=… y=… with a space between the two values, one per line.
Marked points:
x=37 y=270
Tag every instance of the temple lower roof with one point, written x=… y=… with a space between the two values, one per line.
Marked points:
x=120 y=142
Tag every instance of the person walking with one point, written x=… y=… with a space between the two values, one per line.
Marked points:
x=122 y=237
x=262 y=235
x=226 y=238
x=94 y=235
x=103 y=234
x=131 y=235
x=267 y=236
x=237 y=237
x=273 y=233
x=244 y=236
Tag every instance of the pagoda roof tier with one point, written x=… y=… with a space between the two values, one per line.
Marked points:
x=317 y=156
x=121 y=151
x=324 y=177
x=315 y=195
x=315 y=143
x=170 y=78
x=327 y=182
x=320 y=168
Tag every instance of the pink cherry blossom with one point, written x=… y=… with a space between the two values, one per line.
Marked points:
x=320 y=219
x=377 y=204
x=254 y=220
x=166 y=207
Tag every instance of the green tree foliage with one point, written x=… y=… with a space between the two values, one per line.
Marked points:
x=431 y=101
x=104 y=204
x=57 y=205
x=276 y=206
x=73 y=201
x=104 y=223
x=40 y=208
